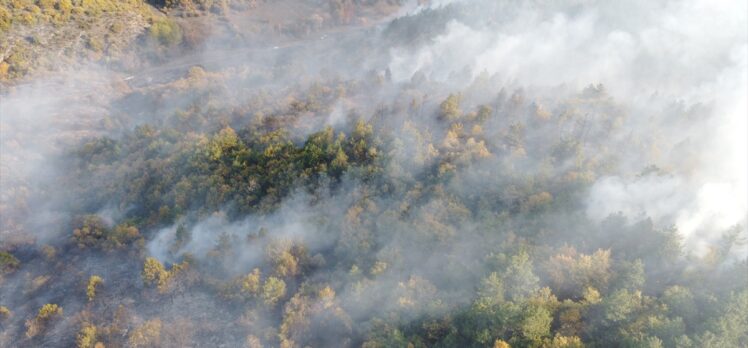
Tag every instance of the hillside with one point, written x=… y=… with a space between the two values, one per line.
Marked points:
x=373 y=173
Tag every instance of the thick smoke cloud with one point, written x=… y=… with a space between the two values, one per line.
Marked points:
x=653 y=55
x=40 y=121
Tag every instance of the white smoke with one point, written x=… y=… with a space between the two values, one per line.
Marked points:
x=648 y=54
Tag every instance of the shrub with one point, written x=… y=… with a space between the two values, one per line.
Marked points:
x=5 y=313
x=8 y=262
x=166 y=32
x=5 y=19
x=93 y=233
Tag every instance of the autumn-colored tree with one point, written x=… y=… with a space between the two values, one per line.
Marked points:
x=559 y=341
x=91 y=232
x=86 y=337
x=122 y=235
x=93 y=282
x=251 y=284
x=571 y=272
x=47 y=313
x=501 y=344
x=285 y=256
x=155 y=274
x=450 y=108
x=273 y=290
x=316 y=319
x=165 y=32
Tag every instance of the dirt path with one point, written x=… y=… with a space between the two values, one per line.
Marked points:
x=239 y=56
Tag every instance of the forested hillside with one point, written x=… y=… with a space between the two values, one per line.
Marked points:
x=375 y=173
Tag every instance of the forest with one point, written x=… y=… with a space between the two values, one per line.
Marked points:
x=373 y=173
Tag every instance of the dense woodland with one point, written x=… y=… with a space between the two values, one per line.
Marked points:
x=218 y=209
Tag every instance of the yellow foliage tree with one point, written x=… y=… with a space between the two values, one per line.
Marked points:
x=273 y=290
x=93 y=282
x=5 y=313
x=154 y=273
x=86 y=337
x=250 y=284
x=501 y=344
x=564 y=342
x=571 y=272
x=48 y=312
x=450 y=107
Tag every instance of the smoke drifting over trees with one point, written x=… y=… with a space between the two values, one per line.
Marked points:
x=374 y=173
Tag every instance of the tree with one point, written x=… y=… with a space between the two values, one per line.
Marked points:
x=501 y=344
x=492 y=289
x=570 y=320
x=166 y=32
x=571 y=272
x=92 y=231
x=122 y=235
x=316 y=321
x=181 y=237
x=484 y=113
x=564 y=342
x=251 y=284
x=86 y=337
x=536 y=323
x=48 y=312
x=730 y=327
x=339 y=164
x=8 y=262
x=681 y=303
x=93 y=282
x=273 y=291
x=359 y=144
x=253 y=342
x=518 y=279
x=286 y=257
x=628 y=275
x=154 y=273
x=385 y=334
x=449 y=109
